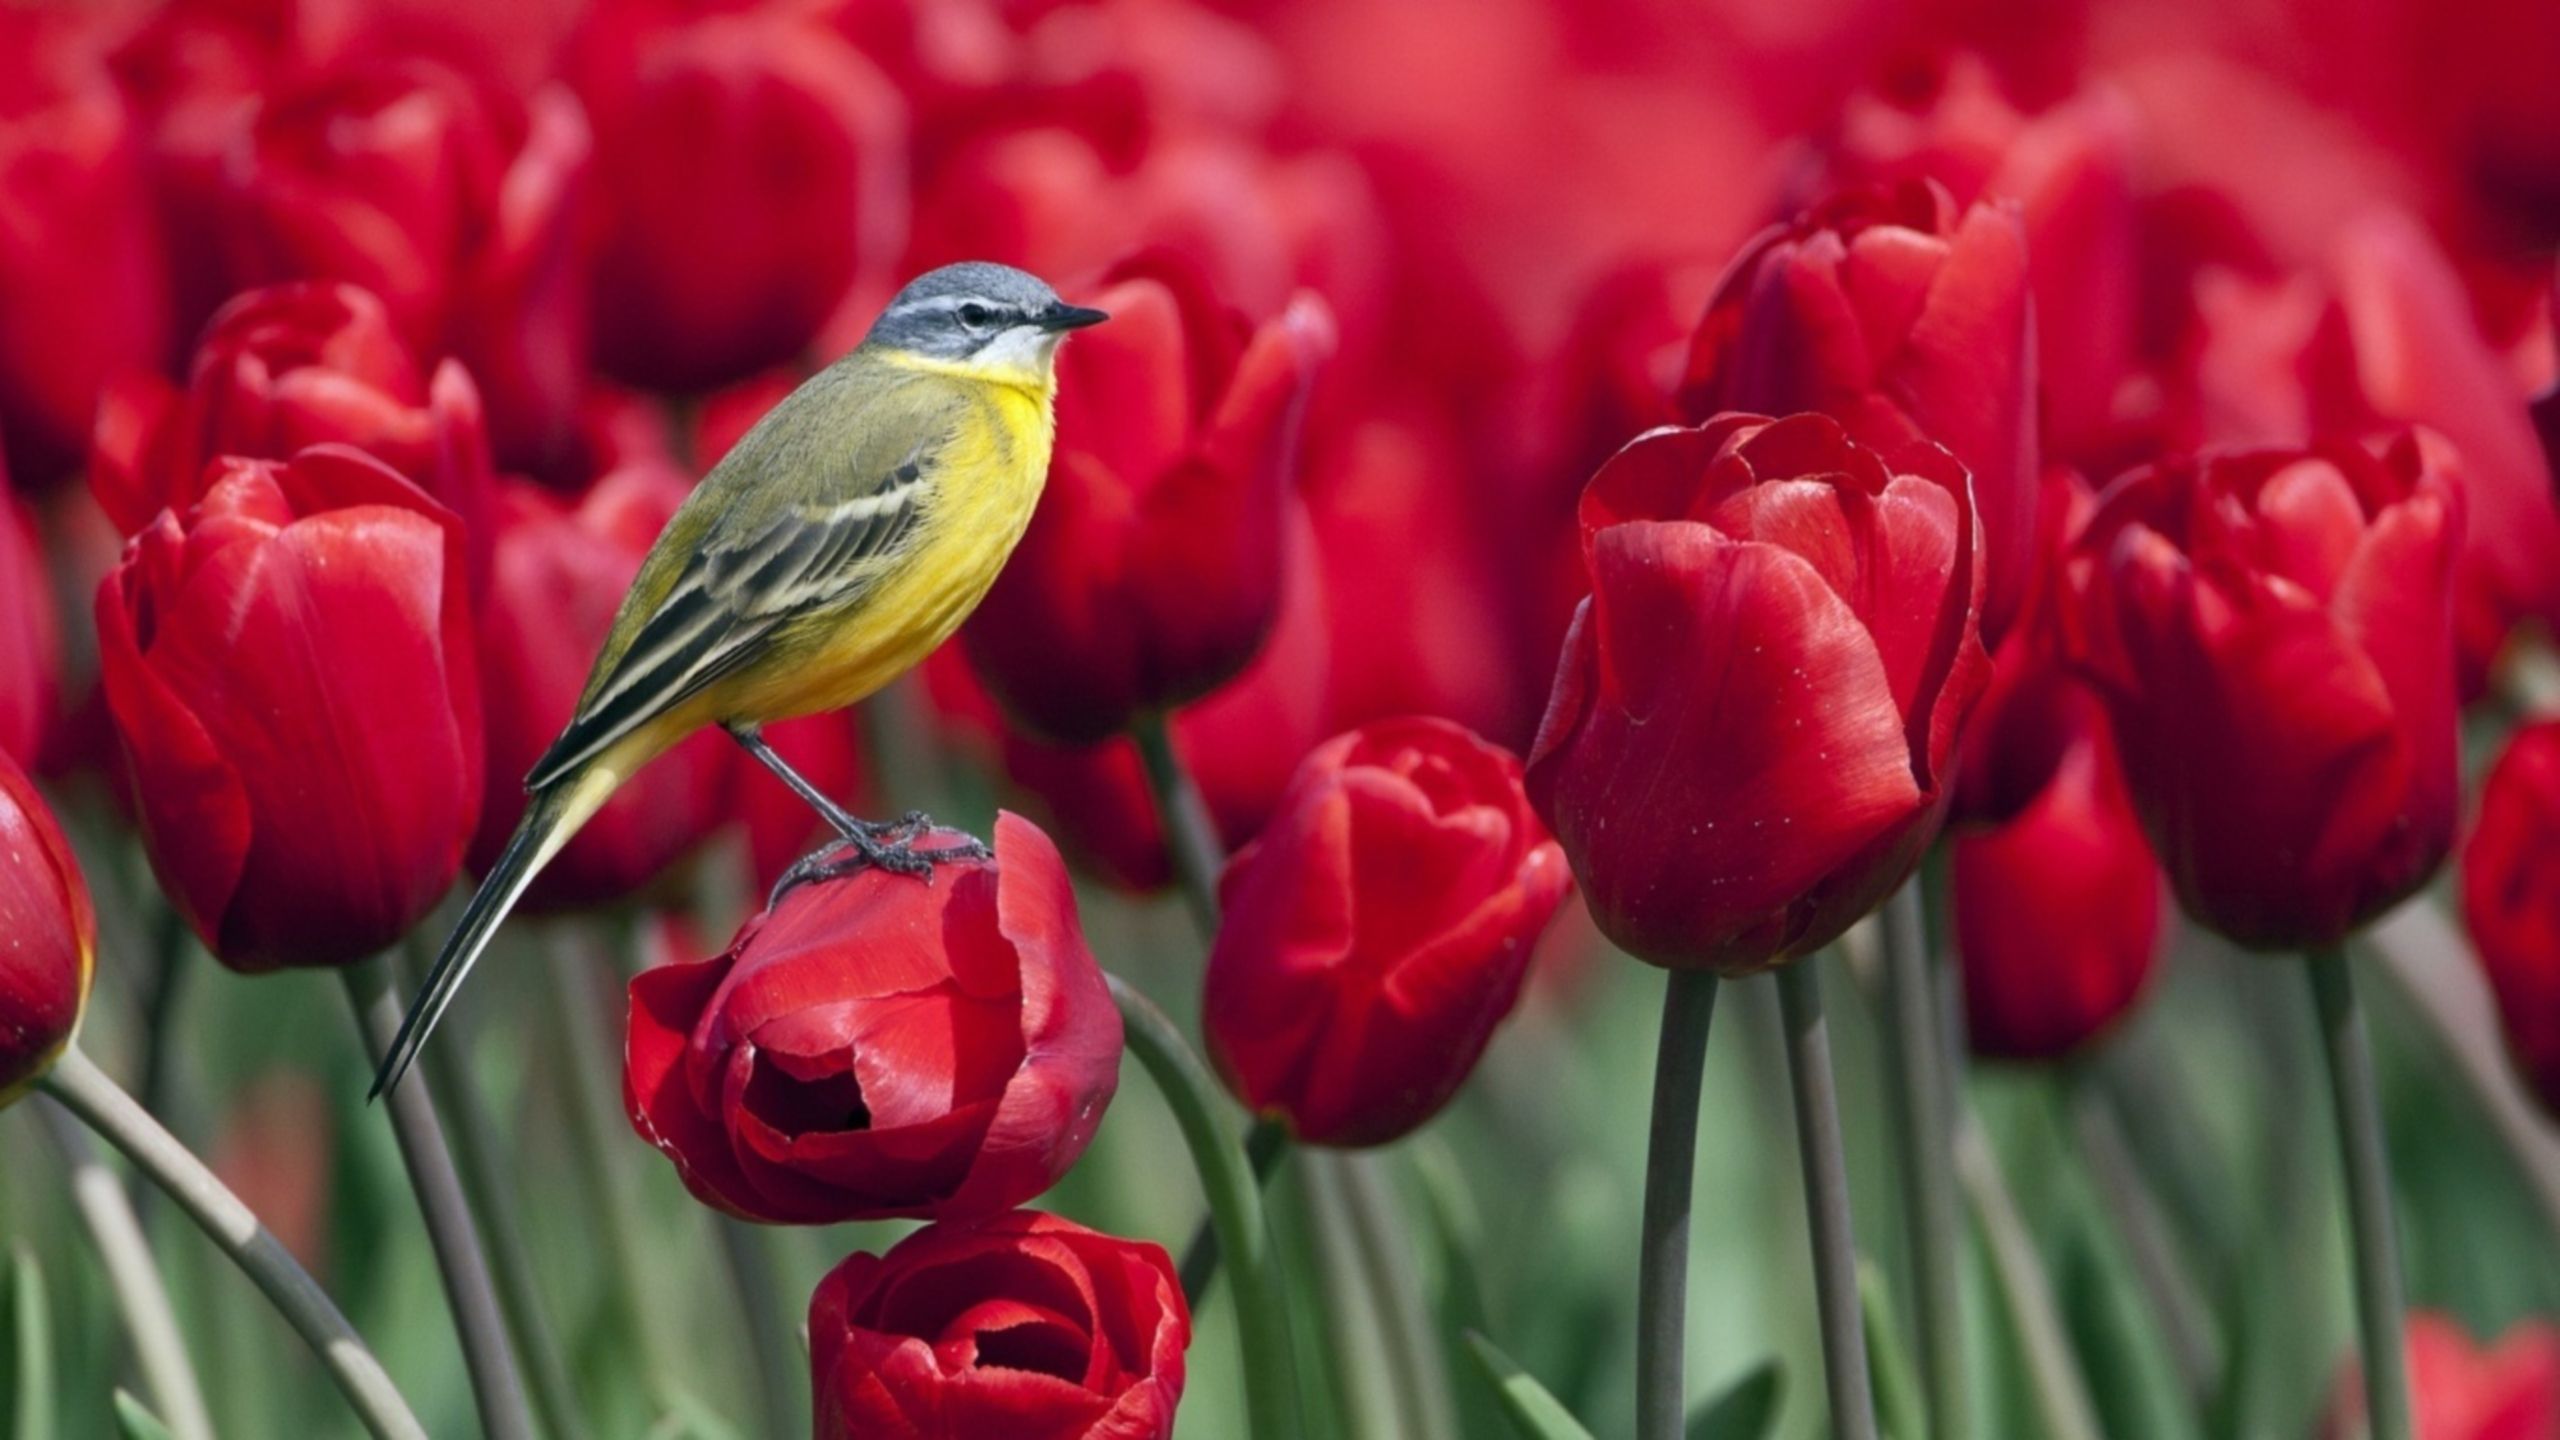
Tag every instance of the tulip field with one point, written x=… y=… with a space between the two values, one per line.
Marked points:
x=1577 y=719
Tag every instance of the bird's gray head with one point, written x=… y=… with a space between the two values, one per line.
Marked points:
x=982 y=317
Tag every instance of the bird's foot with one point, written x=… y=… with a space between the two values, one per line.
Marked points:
x=889 y=845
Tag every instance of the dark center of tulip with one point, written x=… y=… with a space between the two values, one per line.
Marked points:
x=817 y=1104
x=1043 y=1349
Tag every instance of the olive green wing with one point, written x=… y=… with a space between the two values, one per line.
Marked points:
x=775 y=534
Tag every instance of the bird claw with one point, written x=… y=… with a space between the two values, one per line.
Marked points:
x=885 y=845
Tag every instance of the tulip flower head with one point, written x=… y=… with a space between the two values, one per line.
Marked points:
x=1756 y=716
x=1906 y=320
x=2271 y=631
x=1377 y=931
x=50 y=935
x=1152 y=571
x=292 y=672
x=30 y=635
x=2511 y=900
x=2464 y=1390
x=1020 y=1325
x=874 y=1047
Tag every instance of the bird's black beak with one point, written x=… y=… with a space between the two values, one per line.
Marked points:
x=1062 y=316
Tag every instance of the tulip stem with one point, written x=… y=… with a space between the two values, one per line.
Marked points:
x=2379 y=1303
x=481 y=1165
x=104 y=1107
x=1923 y=1090
x=2124 y=1192
x=159 y=1347
x=1265 y=1146
x=1190 y=834
x=496 y=1389
x=1826 y=1198
x=2061 y=1393
x=1235 y=1209
x=1671 y=1162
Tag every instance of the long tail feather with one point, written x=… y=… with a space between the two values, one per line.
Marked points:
x=536 y=838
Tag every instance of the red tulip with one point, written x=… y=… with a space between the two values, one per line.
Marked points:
x=1906 y=321
x=1151 y=572
x=751 y=169
x=1377 y=931
x=1240 y=744
x=283 y=368
x=52 y=944
x=2511 y=900
x=2056 y=897
x=443 y=194
x=1758 y=707
x=2272 y=633
x=30 y=635
x=2069 y=169
x=1019 y=1327
x=83 y=296
x=558 y=580
x=872 y=1046
x=291 y=671
x=2466 y=1391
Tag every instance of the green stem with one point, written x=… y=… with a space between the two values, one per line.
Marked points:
x=159 y=1348
x=496 y=1389
x=104 y=1107
x=1671 y=1162
x=1412 y=1341
x=1190 y=835
x=781 y=1364
x=1922 y=1090
x=2125 y=1193
x=2053 y=1370
x=1265 y=1146
x=1235 y=1208
x=1826 y=1196
x=479 y=1160
x=2379 y=1305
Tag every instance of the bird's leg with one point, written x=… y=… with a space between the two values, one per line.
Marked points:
x=854 y=852
x=845 y=823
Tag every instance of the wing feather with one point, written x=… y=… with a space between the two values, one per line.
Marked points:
x=729 y=598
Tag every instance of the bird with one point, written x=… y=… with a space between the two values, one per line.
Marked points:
x=837 y=543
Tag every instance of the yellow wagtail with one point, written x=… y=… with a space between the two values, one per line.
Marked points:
x=834 y=547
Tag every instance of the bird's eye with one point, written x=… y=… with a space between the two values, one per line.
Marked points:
x=975 y=316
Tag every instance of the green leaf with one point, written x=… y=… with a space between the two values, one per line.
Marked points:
x=134 y=1420
x=31 y=1376
x=1747 y=1409
x=1534 y=1413
x=1897 y=1390
x=2132 y=1380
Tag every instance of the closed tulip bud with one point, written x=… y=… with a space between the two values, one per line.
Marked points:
x=2463 y=1390
x=1015 y=1327
x=2511 y=900
x=1377 y=931
x=51 y=936
x=2069 y=168
x=291 y=672
x=751 y=168
x=83 y=290
x=559 y=576
x=30 y=635
x=1906 y=320
x=1152 y=569
x=874 y=1047
x=2272 y=632
x=280 y=369
x=1758 y=707
x=2056 y=896
x=445 y=195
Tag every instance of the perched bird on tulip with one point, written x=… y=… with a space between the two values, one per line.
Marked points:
x=834 y=547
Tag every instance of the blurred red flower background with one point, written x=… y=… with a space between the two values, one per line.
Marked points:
x=1652 y=475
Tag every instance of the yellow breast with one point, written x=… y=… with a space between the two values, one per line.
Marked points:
x=985 y=485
